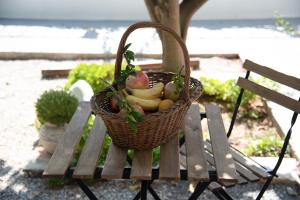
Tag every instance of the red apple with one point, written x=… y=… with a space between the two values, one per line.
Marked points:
x=138 y=81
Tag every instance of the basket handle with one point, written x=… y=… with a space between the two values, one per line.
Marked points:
x=138 y=25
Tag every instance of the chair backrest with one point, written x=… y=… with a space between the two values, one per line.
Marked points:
x=267 y=93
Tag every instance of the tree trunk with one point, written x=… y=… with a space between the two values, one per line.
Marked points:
x=167 y=13
x=176 y=16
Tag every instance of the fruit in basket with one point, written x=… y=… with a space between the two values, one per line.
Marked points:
x=139 y=80
x=136 y=107
x=151 y=93
x=171 y=92
x=114 y=103
x=146 y=104
x=165 y=104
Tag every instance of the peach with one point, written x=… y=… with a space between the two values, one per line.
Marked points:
x=136 y=107
x=138 y=81
x=170 y=91
x=114 y=104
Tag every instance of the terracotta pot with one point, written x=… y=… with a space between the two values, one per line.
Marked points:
x=50 y=134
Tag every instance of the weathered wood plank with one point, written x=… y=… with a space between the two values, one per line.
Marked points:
x=270 y=94
x=223 y=158
x=114 y=163
x=196 y=163
x=63 y=154
x=169 y=168
x=287 y=80
x=211 y=161
x=244 y=165
x=242 y=170
x=249 y=164
x=141 y=165
x=88 y=159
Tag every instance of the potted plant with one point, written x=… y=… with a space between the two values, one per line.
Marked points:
x=54 y=110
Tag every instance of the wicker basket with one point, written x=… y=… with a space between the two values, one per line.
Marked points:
x=156 y=128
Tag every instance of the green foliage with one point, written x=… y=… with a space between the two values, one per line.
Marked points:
x=227 y=91
x=56 y=107
x=86 y=132
x=179 y=83
x=155 y=155
x=57 y=182
x=91 y=73
x=268 y=83
x=285 y=26
x=264 y=147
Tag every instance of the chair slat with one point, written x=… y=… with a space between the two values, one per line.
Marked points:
x=114 y=163
x=211 y=161
x=169 y=168
x=270 y=94
x=141 y=165
x=239 y=168
x=245 y=162
x=249 y=164
x=287 y=80
x=88 y=159
x=196 y=163
x=223 y=158
x=63 y=154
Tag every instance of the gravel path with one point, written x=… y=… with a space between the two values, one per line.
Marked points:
x=20 y=86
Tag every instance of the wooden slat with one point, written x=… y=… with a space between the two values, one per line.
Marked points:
x=211 y=160
x=114 y=163
x=223 y=159
x=169 y=168
x=141 y=165
x=196 y=163
x=249 y=164
x=88 y=159
x=239 y=168
x=270 y=94
x=244 y=164
x=290 y=81
x=63 y=153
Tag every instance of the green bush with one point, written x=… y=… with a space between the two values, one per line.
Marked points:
x=264 y=147
x=91 y=74
x=56 y=107
x=227 y=91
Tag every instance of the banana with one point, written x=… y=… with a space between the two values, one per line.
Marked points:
x=151 y=93
x=146 y=104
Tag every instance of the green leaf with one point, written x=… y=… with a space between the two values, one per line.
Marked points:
x=126 y=47
x=109 y=94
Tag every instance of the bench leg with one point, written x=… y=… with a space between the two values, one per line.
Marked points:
x=145 y=186
x=86 y=190
x=201 y=186
x=153 y=193
x=144 y=189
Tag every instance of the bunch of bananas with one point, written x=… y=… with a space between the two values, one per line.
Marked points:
x=148 y=99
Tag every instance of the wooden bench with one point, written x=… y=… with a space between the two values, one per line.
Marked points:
x=213 y=164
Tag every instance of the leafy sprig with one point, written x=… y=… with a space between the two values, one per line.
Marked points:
x=129 y=57
x=178 y=81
